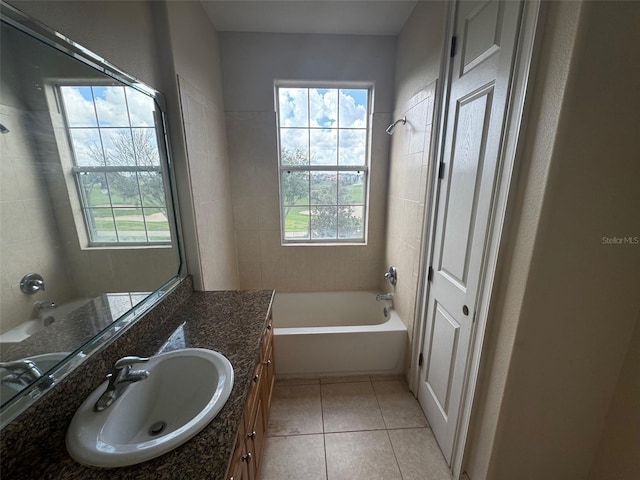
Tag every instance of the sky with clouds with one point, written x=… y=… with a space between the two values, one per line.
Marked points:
x=88 y=108
x=317 y=121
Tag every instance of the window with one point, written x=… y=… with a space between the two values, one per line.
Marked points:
x=323 y=164
x=116 y=164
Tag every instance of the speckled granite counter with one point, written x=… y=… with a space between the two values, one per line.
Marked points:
x=33 y=446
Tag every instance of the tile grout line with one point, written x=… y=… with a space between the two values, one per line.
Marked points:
x=324 y=437
x=387 y=432
x=395 y=455
x=386 y=427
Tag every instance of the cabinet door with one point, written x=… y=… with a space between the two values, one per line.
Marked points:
x=238 y=469
x=253 y=397
x=268 y=379
x=256 y=438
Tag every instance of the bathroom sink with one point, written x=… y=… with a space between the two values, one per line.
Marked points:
x=184 y=391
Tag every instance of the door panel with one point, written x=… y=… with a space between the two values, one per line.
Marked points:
x=471 y=126
x=482 y=32
x=440 y=361
x=476 y=112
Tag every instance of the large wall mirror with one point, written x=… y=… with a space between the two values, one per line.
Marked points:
x=88 y=230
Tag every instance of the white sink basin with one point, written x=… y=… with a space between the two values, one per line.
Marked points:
x=185 y=390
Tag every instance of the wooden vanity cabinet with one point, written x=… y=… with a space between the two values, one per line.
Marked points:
x=247 y=456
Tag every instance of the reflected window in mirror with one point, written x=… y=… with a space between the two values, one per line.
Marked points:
x=111 y=131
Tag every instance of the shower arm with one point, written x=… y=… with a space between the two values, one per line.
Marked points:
x=391 y=127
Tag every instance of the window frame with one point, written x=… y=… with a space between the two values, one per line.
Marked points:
x=334 y=169
x=76 y=170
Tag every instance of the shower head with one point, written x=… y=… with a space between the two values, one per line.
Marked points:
x=392 y=127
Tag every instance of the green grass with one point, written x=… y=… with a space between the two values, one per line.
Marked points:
x=130 y=225
x=295 y=221
x=298 y=222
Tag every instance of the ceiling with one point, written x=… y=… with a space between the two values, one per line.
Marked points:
x=358 y=17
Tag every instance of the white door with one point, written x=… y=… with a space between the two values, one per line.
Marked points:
x=486 y=33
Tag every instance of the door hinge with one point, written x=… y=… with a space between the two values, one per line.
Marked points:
x=454 y=41
x=420 y=360
x=474 y=317
x=441 y=171
x=430 y=274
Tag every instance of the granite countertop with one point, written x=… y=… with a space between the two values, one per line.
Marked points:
x=230 y=322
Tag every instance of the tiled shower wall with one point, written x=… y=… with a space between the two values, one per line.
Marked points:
x=418 y=57
x=263 y=262
x=408 y=174
x=250 y=64
x=29 y=238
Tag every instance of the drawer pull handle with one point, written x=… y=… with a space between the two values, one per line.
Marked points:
x=256 y=378
x=269 y=327
x=252 y=435
x=267 y=363
x=247 y=457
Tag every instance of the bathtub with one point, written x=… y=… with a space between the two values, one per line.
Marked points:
x=336 y=333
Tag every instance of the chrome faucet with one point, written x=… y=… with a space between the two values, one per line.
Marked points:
x=120 y=378
x=23 y=372
x=384 y=296
x=43 y=305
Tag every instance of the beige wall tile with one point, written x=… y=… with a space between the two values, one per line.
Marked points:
x=270 y=248
x=274 y=275
x=406 y=197
x=250 y=276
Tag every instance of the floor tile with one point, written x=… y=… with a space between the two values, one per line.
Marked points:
x=386 y=378
x=399 y=407
x=345 y=379
x=295 y=409
x=418 y=454
x=360 y=456
x=294 y=458
x=349 y=407
x=297 y=381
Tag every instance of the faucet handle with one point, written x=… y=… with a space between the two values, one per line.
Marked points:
x=128 y=361
x=392 y=275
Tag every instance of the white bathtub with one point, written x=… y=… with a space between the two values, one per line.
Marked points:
x=336 y=333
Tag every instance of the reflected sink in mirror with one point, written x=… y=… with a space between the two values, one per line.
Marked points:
x=184 y=391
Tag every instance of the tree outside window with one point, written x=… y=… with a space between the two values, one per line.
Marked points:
x=116 y=164
x=323 y=136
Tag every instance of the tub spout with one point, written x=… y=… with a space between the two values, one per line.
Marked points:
x=384 y=296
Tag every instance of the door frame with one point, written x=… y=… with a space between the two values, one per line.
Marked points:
x=531 y=20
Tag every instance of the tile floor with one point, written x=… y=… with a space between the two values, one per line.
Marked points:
x=352 y=428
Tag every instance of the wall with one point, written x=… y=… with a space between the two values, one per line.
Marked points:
x=29 y=236
x=418 y=55
x=250 y=64
x=617 y=456
x=141 y=38
x=566 y=303
x=197 y=64
x=109 y=29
